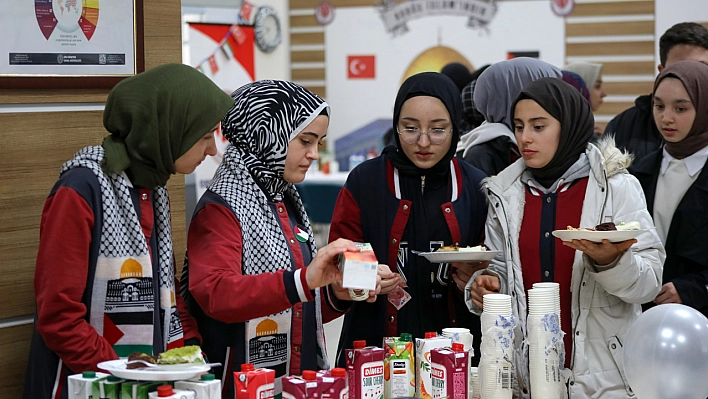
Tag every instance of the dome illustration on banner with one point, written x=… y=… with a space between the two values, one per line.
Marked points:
x=434 y=59
x=68 y=16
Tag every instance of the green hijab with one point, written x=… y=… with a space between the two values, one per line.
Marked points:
x=155 y=117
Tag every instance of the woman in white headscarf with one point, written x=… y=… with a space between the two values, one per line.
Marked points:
x=592 y=75
x=491 y=147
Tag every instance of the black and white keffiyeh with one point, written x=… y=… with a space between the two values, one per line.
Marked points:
x=124 y=263
x=265 y=117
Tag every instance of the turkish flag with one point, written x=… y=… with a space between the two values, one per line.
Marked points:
x=361 y=66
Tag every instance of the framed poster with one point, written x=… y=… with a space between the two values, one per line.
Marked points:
x=49 y=44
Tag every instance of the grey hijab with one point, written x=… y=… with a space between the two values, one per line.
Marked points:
x=498 y=86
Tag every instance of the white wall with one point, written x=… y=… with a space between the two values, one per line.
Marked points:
x=275 y=65
x=526 y=25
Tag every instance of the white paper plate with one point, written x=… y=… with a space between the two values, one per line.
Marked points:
x=163 y=373
x=458 y=256
x=597 y=236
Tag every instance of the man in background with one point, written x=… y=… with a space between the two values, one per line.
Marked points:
x=634 y=129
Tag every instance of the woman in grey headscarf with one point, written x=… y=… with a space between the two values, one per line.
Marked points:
x=491 y=147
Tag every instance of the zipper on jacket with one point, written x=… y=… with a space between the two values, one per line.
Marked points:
x=422 y=184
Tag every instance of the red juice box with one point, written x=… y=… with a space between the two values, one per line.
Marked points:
x=449 y=371
x=334 y=385
x=365 y=371
x=250 y=383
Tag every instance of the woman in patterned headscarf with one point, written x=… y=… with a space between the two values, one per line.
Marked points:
x=255 y=276
x=104 y=280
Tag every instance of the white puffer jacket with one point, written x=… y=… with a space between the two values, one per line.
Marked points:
x=604 y=304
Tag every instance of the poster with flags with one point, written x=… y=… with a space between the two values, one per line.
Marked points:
x=225 y=54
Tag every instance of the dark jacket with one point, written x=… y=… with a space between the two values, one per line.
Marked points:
x=493 y=156
x=686 y=253
x=368 y=210
x=634 y=129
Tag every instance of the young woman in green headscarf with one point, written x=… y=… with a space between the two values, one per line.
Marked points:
x=104 y=281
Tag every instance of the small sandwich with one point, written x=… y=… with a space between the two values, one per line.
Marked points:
x=634 y=225
x=187 y=354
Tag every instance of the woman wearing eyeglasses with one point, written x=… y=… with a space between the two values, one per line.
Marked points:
x=413 y=198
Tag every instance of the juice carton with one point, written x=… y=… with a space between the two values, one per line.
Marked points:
x=294 y=388
x=108 y=388
x=166 y=392
x=423 y=346
x=250 y=383
x=138 y=390
x=399 y=366
x=334 y=385
x=305 y=387
x=206 y=387
x=80 y=385
x=359 y=269
x=449 y=371
x=365 y=371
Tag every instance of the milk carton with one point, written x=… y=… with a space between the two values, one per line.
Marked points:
x=423 y=346
x=206 y=387
x=250 y=383
x=449 y=372
x=138 y=390
x=108 y=388
x=365 y=371
x=359 y=269
x=80 y=386
x=166 y=392
x=399 y=367
x=334 y=385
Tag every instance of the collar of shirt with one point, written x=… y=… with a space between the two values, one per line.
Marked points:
x=694 y=162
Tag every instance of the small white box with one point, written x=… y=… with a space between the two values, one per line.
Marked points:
x=203 y=388
x=80 y=386
x=359 y=269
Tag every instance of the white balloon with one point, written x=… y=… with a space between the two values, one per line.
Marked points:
x=666 y=353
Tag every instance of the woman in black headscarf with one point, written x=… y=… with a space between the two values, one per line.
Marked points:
x=564 y=181
x=256 y=280
x=414 y=198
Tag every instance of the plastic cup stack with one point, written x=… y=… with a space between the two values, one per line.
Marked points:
x=545 y=341
x=474 y=384
x=495 y=365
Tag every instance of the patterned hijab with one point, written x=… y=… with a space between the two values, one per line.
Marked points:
x=568 y=106
x=576 y=81
x=155 y=117
x=265 y=117
x=694 y=77
x=499 y=85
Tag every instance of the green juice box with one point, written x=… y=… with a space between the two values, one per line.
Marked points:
x=399 y=367
x=80 y=386
x=108 y=388
x=138 y=390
